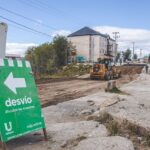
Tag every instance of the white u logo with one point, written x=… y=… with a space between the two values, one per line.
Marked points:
x=8 y=126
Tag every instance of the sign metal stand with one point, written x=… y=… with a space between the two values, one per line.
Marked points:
x=45 y=134
x=4 y=145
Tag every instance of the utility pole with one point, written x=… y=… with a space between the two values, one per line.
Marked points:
x=140 y=54
x=116 y=36
x=90 y=49
x=133 y=49
x=93 y=45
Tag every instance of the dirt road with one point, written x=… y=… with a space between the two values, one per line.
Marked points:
x=53 y=91
x=56 y=92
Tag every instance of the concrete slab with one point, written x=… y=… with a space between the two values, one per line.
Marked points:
x=105 y=143
x=74 y=110
x=136 y=106
x=72 y=130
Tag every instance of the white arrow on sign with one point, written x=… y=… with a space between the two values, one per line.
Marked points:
x=13 y=83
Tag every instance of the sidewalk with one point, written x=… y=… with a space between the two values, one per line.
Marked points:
x=135 y=107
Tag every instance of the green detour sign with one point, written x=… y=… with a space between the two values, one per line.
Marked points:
x=20 y=110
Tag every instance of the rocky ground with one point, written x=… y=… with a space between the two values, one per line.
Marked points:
x=101 y=121
x=68 y=128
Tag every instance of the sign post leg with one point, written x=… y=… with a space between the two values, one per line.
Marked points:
x=3 y=146
x=45 y=134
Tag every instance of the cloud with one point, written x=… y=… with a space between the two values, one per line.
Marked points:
x=141 y=37
x=18 y=48
x=60 y=32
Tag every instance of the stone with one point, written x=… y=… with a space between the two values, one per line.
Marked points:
x=64 y=144
x=86 y=112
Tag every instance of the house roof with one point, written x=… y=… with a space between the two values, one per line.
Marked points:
x=86 y=31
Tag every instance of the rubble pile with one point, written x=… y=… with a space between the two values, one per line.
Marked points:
x=76 y=70
x=130 y=70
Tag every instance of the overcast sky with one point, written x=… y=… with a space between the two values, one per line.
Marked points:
x=51 y=17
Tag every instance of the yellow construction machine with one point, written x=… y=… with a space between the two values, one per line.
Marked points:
x=104 y=71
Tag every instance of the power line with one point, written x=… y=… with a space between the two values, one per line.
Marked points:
x=43 y=6
x=56 y=9
x=24 y=17
x=34 y=5
x=28 y=4
x=26 y=27
x=23 y=29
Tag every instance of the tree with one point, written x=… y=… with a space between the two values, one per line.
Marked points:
x=118 y=56
x=40 y=57
x=30 y=56
x=62 y=50
x=50 y=66
x=135 y=56
x=127 y=55
x=48 y=57
x=43 y=53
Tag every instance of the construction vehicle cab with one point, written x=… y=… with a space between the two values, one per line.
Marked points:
x=103 y=70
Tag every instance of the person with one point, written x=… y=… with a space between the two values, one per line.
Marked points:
x=146 y=68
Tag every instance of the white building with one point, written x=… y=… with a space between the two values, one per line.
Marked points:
x=91 y=45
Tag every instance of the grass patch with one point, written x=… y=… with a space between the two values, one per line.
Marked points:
x=109 y=122
x=116 y=90
x=104 y=118
x=127 y=130
x=113 y=127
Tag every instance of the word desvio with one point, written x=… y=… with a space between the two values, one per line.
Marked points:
x=17 y=102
